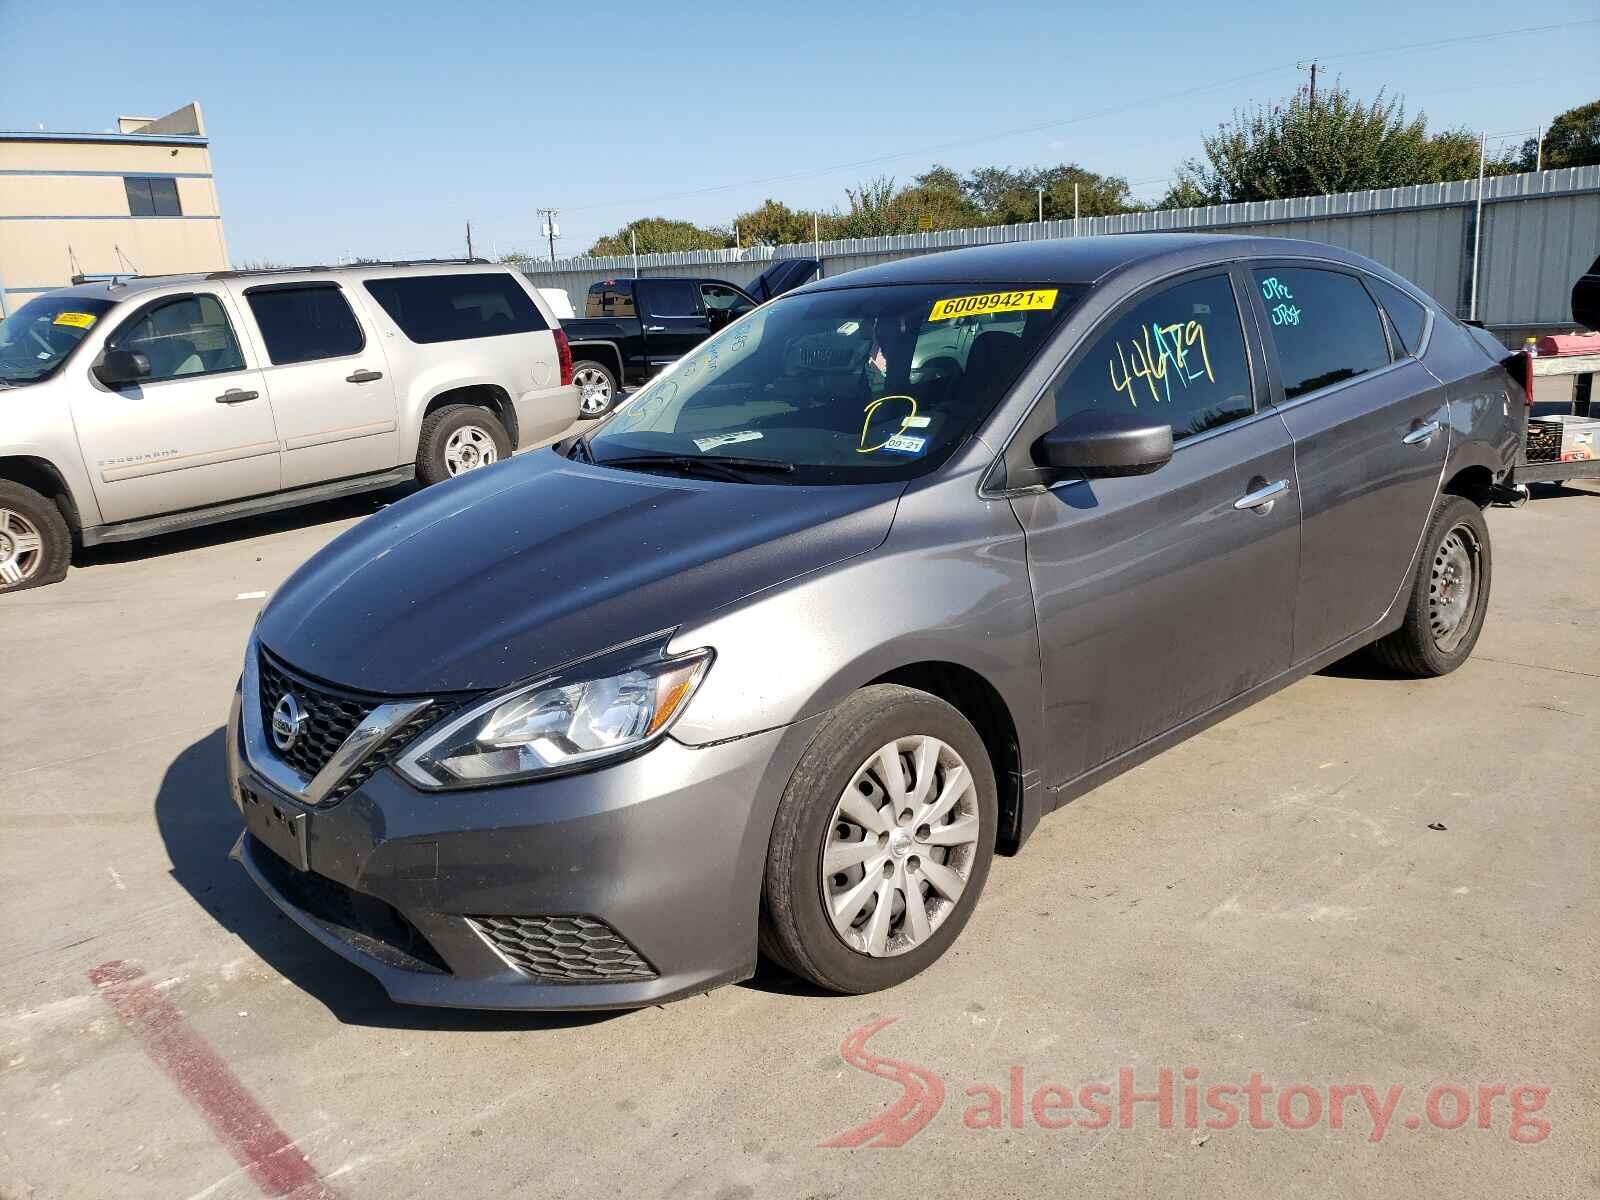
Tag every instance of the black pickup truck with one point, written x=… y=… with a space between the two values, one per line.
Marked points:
x=632 y=328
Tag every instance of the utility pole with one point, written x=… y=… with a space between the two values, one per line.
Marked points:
x=1074 y=210
x=1477 y=234
x=469 y=239
x=550 y=229
x=1538 y=153
x=1312 y=67
x=1041 y=206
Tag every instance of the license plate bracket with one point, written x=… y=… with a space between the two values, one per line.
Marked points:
x=279 y=826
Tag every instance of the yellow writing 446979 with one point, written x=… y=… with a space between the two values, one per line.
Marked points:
x=993 y=302
x=1180 y=346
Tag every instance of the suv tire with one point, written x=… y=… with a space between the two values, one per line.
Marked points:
x=598 y=390
x=459 y=438
x=821 y=921
x=35 y=543
x=1449 y=595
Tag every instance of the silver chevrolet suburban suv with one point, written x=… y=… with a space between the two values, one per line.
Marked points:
x=137 y=407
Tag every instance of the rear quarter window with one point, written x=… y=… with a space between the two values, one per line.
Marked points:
x=453 y=308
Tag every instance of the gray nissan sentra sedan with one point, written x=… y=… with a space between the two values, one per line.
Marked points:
x=775 y=659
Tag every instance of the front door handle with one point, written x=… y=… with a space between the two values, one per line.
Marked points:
x=655 y=328
x=1422 y=434
x=364 y=377
x=1262 y=498
x=236 y=396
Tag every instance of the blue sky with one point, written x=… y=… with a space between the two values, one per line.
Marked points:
x=378 y=129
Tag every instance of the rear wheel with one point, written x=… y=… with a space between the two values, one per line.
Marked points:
x=460 y=438
x=882 y=842
x=598 y=388
x=35 y=543
x=1449 y=596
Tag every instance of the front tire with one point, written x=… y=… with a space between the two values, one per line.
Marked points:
x=598 y=389
x=1449 y=595
x=882 y=842
x=35 y=543
x=459 y=438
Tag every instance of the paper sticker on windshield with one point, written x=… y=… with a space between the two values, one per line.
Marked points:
x=992 y=302
x=76 y=320
x=727 y=439
x=904 y=443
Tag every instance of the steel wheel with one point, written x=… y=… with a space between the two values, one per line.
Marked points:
x=1453 y=588
x=595 y=391
x=21 y=548
x=469 y=448
x=900 y=847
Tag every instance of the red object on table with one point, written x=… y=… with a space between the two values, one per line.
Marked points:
x=1556 y=344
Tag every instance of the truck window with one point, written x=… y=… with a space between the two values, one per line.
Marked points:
x=449 y=308
x=305 y=322
x=609 y=300
x=187 y=335
x=720 y=297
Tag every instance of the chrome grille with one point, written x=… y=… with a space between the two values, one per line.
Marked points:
x=564 y=949
x=330 y=715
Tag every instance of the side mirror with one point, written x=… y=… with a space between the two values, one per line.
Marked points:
x=119 y=368
x=1102 y=443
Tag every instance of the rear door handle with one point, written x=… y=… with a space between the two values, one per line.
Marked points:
x=1422 y=434
x=364 y=377
x=1261 y=499
x=236 y=396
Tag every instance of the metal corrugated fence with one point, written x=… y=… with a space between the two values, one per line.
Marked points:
x=1540 y=232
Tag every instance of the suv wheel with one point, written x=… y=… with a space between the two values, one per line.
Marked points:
x=1449 y=596
x=597 y=389
x=882 y=842
x=35 y=543
x=457 y=439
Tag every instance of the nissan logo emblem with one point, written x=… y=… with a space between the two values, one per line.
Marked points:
x=288 y=722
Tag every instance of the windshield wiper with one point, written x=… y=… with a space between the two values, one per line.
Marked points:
x=736 y=469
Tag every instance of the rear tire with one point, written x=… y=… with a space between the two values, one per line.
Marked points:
x=35 y=543
x=598 y=389
x=457 y=439
x=844 y=867
x=1449 y=595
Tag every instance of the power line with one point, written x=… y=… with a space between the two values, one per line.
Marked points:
x=1112 y=110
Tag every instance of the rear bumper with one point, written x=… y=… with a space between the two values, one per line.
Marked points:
x=668 y=849
x=545 y=412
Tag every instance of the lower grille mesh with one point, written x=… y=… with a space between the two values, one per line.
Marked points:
x=564 y=949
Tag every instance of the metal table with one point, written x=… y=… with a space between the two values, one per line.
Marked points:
x=1584 y=366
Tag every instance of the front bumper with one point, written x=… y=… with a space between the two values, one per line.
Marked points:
x=668 y=849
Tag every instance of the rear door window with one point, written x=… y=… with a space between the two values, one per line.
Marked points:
x=305 y=322
x=609 y=300
x=1324 y=325
x=448 y=308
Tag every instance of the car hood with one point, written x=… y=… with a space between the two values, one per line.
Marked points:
x=508 y=572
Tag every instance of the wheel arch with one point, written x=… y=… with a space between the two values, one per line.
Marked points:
x=480 y=395
x=607 y=354
x=1474 y=482
x=46 y=478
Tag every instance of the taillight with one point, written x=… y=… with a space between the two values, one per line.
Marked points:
x=564 y=356
x=1520 y=367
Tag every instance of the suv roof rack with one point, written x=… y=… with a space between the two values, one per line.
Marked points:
x=357 y=266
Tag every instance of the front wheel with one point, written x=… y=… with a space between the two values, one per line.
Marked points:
x=882 y=842
x=35 y=543
x=1449 y=594
x=598 y=389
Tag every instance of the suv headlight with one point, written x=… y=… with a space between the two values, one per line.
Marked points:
x=561 y=723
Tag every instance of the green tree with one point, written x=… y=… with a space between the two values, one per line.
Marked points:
x=1573 y=140
x=774 y=223
x=520 y=259
x=660 y=235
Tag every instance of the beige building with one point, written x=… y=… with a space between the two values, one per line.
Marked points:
x=138 y=201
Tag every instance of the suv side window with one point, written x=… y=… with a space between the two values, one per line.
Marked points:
x=447 y=308
x=1407 y=318
x=187 y=335
x=1178 y=355
x=671 y=297
x=1324 y=324
x=719 y=297
x=303 y=322
x=608 y=300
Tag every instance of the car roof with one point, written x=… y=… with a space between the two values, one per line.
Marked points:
x=1086 y=260
x=124 y=288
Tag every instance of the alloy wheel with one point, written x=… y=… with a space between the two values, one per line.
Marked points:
x=900 y=847
x=21 y=548
x=469 y=448
x=594 y=389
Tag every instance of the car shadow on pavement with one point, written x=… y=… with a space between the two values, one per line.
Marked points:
x=198 y=824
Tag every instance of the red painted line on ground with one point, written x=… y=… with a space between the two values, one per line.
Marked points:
x=207 y=1082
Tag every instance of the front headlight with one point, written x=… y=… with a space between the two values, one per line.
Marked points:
x=558 y=724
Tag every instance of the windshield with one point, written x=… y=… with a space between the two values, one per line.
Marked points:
x=857 y=385
x=37 y=338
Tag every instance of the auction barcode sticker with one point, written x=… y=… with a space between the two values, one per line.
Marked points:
x=992 y=302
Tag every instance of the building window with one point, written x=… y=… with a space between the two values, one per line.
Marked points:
x=152 y=197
